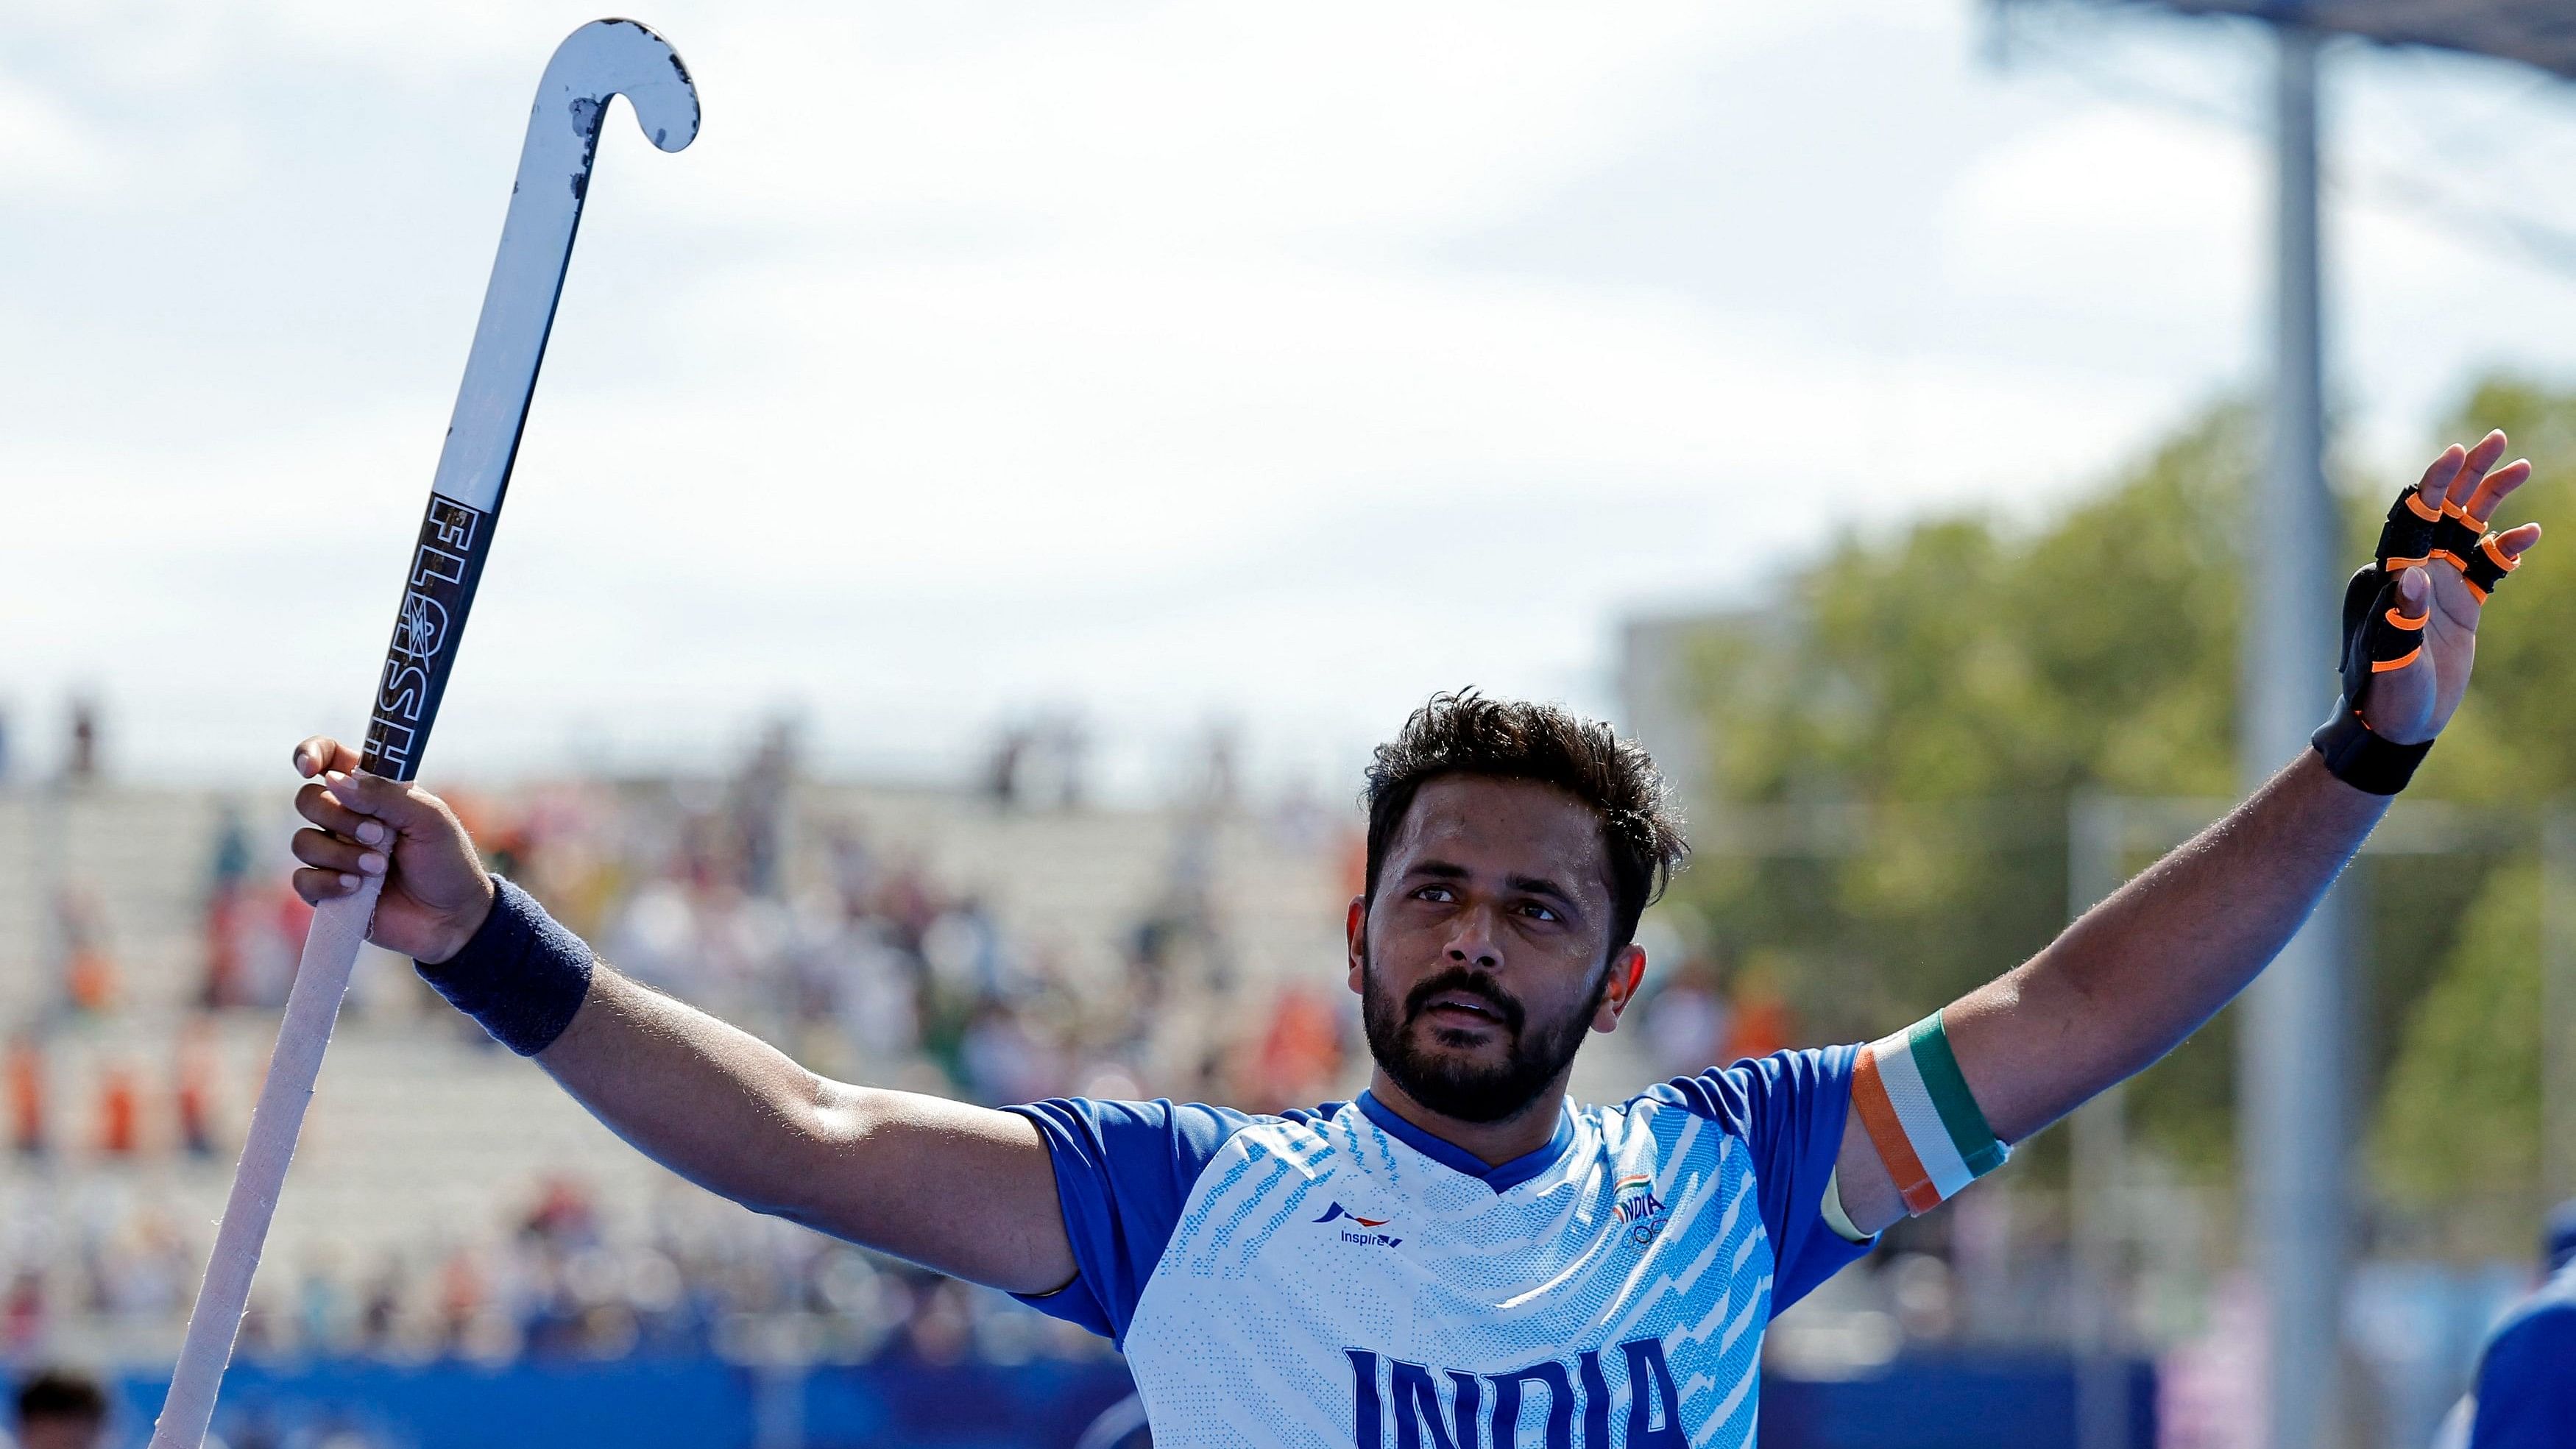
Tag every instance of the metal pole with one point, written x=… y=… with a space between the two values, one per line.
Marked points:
x=2291 y=1068
x=2094 y=827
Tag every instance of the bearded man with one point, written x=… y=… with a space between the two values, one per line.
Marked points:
x=1461 y=1257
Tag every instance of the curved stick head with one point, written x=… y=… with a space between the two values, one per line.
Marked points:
x=622 y=57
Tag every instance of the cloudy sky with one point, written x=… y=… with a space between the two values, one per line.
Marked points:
x=1172 y=363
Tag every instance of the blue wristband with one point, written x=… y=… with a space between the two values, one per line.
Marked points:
x=521 y=977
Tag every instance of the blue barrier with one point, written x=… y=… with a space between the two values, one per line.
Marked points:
x=968 y=1407
x=700 y=1403
x=1930 y=1402
x=460 y=1406
x=1949 y=1401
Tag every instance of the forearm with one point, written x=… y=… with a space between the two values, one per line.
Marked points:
x=712 y=1103
x=963 y=1189
x=2144 y=969
x=956 y=1187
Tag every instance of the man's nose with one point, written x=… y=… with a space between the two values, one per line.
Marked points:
x=1473 y=944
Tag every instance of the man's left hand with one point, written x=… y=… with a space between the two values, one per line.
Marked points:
x=2412 y=703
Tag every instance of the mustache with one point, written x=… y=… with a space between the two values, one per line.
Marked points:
x=1467 y=983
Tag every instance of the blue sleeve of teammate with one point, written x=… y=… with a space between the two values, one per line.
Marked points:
x=2527 y=1382
x=1789 y=1109
x=1122 y=1171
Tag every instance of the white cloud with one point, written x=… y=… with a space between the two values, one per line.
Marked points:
x=983 y=354
x=2113 y=216
x=1172 y=127
x=48 y=151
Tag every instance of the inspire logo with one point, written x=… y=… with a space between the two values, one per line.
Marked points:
x=1338 y=1213
x=1636 y=1208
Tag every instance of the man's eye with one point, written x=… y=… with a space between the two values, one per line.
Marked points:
x=1539 y=912
x=1435 y=893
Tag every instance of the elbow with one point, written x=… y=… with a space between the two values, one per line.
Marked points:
x=814 y=1128
x=828 y=1124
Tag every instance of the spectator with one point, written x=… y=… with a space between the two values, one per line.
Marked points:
x=1298 y=1055
x=227 y=896
x=462 y=1295
x=194 y=1070
x=381 y=1309
x=1758 y=1019
x=119 y=1112
x=27 y=1094
x=89 y=972
x=82 y=767
x=1002 y=775
x=22 y=1314
x=61 y=1409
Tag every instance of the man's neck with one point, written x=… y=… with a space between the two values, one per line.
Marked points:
x=1492 y=1143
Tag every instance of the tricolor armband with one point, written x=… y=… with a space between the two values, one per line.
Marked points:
x=1916 y=1107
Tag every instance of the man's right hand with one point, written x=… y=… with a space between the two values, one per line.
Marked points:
x=436 y=894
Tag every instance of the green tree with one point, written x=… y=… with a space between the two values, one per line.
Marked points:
x=2511 y=742
x=2462 y=1101
x=2462 y=1105
x=1954 y=685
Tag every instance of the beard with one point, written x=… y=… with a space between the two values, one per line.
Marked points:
x=1451 y=1086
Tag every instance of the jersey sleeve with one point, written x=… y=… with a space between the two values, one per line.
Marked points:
x=1788 y=1108
x=1122 y=1172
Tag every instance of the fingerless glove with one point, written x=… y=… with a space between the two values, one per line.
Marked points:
x=2380 y=636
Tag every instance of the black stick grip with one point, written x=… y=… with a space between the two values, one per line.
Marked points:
x=444 y=570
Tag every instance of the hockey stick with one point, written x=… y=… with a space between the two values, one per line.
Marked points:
x=602 y=59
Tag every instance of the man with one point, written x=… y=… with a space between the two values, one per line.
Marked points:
x=60 y=1409
x=1461 y=1257
x=2525 y=1396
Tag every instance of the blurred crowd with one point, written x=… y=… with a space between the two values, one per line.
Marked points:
x=851 y=953
x=810 y=929
x=697 y=1280
x=805 y=923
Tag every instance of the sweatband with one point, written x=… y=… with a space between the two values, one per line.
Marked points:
x=1919 y=1115
x=521 y=977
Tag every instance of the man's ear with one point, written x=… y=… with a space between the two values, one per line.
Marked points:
x=1355 y=926
x=1627 y=973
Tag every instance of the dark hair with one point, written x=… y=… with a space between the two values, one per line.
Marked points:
x=61 y=1394
x=1464 y=733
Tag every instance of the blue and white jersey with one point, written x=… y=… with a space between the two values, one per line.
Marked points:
x=1340 y=1279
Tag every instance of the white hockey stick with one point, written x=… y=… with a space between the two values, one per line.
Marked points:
x=602 y=59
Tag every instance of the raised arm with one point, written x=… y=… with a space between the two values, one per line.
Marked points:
x=963 y=1189
x=2143 y=970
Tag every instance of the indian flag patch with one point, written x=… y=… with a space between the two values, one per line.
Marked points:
x=1919 y=1116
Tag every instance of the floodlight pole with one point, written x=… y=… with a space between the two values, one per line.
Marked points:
x=2095 y=827
x=2292 y=1064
